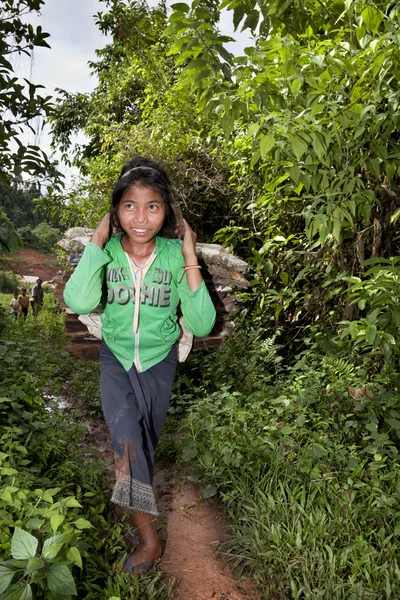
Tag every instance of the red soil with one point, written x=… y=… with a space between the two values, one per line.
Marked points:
x=26 y=261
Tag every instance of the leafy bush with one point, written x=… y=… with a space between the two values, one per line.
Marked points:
x=378 y=293
x=307 y=464
x=49 y=323
x=57 y=536
x=42 y=238
x=8 y=282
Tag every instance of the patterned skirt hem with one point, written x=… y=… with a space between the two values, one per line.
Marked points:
x=138 y=497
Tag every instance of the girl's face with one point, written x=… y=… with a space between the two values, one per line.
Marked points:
x=141 y=213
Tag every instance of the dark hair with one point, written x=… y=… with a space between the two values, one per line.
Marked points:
x=152 y=175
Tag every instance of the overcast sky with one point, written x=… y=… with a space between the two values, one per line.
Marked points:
x=74 y=37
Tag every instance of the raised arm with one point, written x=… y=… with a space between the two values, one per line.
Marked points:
x=197 y=308
x=84 y=288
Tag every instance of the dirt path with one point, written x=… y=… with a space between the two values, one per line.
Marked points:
x=191 y=530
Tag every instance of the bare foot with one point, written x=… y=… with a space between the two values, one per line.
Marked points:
x=143 y=558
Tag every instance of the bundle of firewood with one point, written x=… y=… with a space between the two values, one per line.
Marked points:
x=222 y=272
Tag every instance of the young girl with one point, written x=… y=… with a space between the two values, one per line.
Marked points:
x=142 y=277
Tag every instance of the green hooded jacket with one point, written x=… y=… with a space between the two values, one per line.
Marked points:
x=160 y=293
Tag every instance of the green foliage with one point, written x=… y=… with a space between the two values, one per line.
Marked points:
x=20 y=101
x=49 y=323
x=137 y=108
x=9 y=239
x=378 y=294
x=18 y=202
x=306 y=461
x=9 y=283
x=83 y=380
x=57 y=535
x=45 y=237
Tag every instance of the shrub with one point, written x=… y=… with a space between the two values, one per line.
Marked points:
x=8 y=282
x=46 y=237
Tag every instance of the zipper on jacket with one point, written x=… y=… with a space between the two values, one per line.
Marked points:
x=138 y=289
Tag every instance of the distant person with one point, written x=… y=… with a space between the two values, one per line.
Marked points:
x=37 y=297
x=24 y=304
x=14 y=306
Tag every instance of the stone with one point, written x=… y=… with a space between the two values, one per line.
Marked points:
x=78 y=232
x=78 y=244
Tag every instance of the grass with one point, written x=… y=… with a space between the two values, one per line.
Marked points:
x=309 y=478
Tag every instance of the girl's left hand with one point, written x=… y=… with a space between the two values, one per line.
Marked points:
x=189 y=243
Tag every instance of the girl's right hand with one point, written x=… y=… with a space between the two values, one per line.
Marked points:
x=102 y=232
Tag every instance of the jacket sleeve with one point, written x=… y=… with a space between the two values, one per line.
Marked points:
x=84 y=288
x=197 y=308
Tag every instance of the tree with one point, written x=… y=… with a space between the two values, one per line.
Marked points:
x=314 y=100
x=138 y=108
x=20 y=101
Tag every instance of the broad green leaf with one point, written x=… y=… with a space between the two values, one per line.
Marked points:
x=181 y=6
x=374 y=167
x=396 y=317
x=318 y=451
x=34 y=564
x=8 y=471
x=189 y=452
x=6 y=496
x=72 y=502
x=210 y=491
x=286 y=430
x=267 y=142
x=337 y=228
x=23 y=544
x=251 y=21
x=202 y=75
x=318 y=145
x=255 y=158
x=281 y=6
x=82 y=524
x=61 y=538
x=197 y=64
x=395 y=216
x=74 y=556
x=56 y=521
x=238 y=14
x=284 y=277
x=60 y=580
x=387 y=351
x=372 y=17
x=370 y=333
x=294 y=173
x=23 y=591
x=295 y=86
x=361 y=303
x=6 y=576
x=353 y=328
x=51 y=551
x=298 y=145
